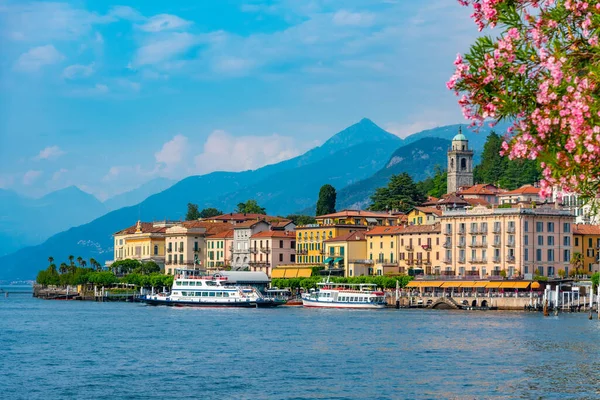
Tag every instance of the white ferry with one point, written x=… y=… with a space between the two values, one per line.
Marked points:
x=190 y=289
x=344 y=295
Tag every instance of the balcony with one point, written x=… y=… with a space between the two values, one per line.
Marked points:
x=265 y=250
x=478 y=244
x=181 y=249
x=448 y=232
x=302 y=251
x=419 y=261
x=253 y=250
x=496 y=229
x=361 y=261
x=478 y=260
x=496 y=244
x=461 y=260
x=461 y=245
x=448 y=273
x=169 y=250
x=473 y=231
x=510 y=259
x=409 y=247
x=386 y=263
x=496 y=259
x=426 y=247
x=259 y=264
x=447 y=245
x=461 y=231
x=447 y=260
x=510 y=244
x=511 y=229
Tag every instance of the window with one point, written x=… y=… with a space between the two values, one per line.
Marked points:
x=526 y=240
x=155 y=250
x=392 y=244
x=550 y=271
x=550 y=226
x=540 y=240
x=196 y=246
x=281 y=257
x=538 y=255
x=590 y=243
x=281 y=244
x=539 y=227
x=181 y=259
x=292 y=258
x=371 y=245
x=550 y=240
x=526 y=227
x=576 y=241
x=526 y=254
x=566 y=255
x=567 y=227
x=567 y=241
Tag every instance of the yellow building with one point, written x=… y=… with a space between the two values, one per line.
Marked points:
x=358 y=217
x=310 y=248
x=219 y=249
x=344 y=254
x=144 y=241
x=423 y=216
x=586 y=241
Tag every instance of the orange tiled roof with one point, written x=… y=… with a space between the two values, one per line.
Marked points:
x=583 y=229
x=274 y=234
x=525 y=189
x=477 y=202
x=248 y=224
x=404 y=229
x=211 y=227
x=226 y=234
x=480 y=188
x=355 y=236
x=357 y=213
x=430 y=210
x=147 y=227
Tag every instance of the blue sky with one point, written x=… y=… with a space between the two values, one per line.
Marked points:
x=107 y=96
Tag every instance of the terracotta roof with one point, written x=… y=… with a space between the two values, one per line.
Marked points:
x=431 y=201
x=430 y=210
x=212 y=228
x=452 y=199
x=477 y=202
x=272 y=234
x=481 y=188
x=227 y=234
x=355 y=236
x=525 y=189
x=281 y=223
x=248 y=224
x=404 y=229
x=147 y=227
x=583 y=229
x=357 y=213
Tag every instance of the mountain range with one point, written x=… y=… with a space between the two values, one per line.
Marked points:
x=356 y=161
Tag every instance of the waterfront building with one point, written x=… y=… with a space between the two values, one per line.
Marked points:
x=460 y=163
x=219 y=250
x=186 y=243
x=586 y=241
x=423 y=215
x=345 y=255
x=242 y=232
x=519 y=241
x=359 y=217
x=144 y=241
x=271 y=248
x=526 y=194
x=236 y=218
x=310 y=247
x=486 y=193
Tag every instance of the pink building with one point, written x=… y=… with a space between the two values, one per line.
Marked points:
x=268 y=249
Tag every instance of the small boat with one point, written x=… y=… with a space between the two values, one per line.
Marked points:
x=193 y=290
x=345 y=295
x=283 y=296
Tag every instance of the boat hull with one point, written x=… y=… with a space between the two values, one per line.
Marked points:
x=182 y=303
x=336 y=304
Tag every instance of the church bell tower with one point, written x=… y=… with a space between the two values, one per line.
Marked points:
x=460 y=163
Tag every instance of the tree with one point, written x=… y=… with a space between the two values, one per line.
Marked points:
x=327 y=199
x=83 y=263
x=492 y=165
x=125 y=266
x=301 y=219
x=401 y=193
x=79 y=261
x=435 y=186
x=192 y=212
x=50 y=260
x=250 y=207
x=210 y=212
x=562 y=273
x=519 y=173
x=541 y=71
x=595 y=279
x=63 y=268
x=71 y=258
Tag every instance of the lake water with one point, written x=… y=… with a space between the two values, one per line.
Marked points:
x=87 y=350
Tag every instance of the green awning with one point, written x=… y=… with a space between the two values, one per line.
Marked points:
x=327 y=260
x=338 y=259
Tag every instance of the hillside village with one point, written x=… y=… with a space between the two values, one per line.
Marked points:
x=474 y=231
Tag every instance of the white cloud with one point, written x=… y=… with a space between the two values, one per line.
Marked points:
x=31 y=176
x=125 y=12
x=223 y=151
x=37 y=57
x=348 y=18
x=49 y=153
x=172 y=152
x=58 y=174
x=78 y=71
x=163 y=22
x=164 y=48
x=99 y=89
x=233 y=65
x=99 y=38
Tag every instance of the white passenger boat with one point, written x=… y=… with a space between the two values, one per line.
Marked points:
x=344 y=295
x=193 y=290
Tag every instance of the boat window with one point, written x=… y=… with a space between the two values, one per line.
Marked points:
x=178 y=283
x=198 y=283
x=212 y=294
x=219 y=294
x=184 y=293
x=204 y=294
x=198 y=294
x=225 y=294
x=211 y=283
